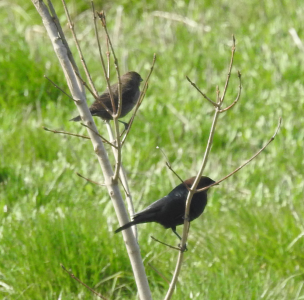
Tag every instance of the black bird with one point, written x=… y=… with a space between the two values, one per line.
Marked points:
x=169 y=211
x=130 y=93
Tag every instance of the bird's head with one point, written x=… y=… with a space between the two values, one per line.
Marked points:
x=133 y=77
x=204 y=181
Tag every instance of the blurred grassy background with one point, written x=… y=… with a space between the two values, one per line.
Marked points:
x=249 y=242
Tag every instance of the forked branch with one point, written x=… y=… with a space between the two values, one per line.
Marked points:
x=193 y=190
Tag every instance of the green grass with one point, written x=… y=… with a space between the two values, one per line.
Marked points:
x=249 y=242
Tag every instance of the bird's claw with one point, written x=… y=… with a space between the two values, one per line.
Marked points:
x=125 y=124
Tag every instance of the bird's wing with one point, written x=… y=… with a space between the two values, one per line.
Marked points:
x=97 y=107
x=149 y=214
x=177 y=202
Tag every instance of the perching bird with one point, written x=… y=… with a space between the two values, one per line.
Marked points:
x=130 y=93
x=169 y=211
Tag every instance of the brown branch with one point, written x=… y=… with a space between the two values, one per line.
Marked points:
x=116 y=110
x=172 y=247
x=67 y=133
x=170 y=167
x=140 y=100
x=102 y=18
x=92 y=93
x=86 y=86
x=82 y=283
x=248 y=161
x=102 y=61
x=59 y=88
x=103 y=139
x=237 y=97
x=217 y=90
x=89 y=180
x=204 y=95
x=85 y=67
x=229 y=69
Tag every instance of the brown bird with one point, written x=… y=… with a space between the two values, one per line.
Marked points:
x=130 y=93
x=169 y=211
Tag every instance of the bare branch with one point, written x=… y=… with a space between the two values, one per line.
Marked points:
x=217 y=90
x=102 y=61
x=229 y=69
x=116 y=111
x=96 y=97
x=237 y=97
x=102 y=18
x=204 y=95
x=246 y=162
x=82 y=283
x=59 y=88
x=172 y=247
x=67 y=133
x=170 y=167
x=85 y=67
x=89 y=180
x=103 y=139
x=140 y=100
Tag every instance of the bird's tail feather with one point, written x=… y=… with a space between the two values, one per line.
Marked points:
x=76 y=119
x=125 y=226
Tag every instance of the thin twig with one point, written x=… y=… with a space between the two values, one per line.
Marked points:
x=246 y=162
x=170 y=167
x=159 y=273
x=86 y=86
x=67 y=133
x=92 y=93
x=116 y=110
x=172 y=247
x=127 y=193
x=102 y=60
x=103 y=139
x=89 y=180
x=237 y=97
x=59 y=88
x=229 y=69
x=82 y=283
x=102 y=18
x=140 y=100
x=217 y=90
x=204 y=95
x=85 y=67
